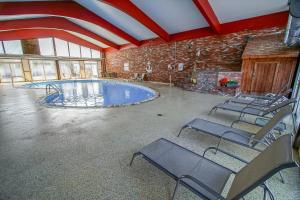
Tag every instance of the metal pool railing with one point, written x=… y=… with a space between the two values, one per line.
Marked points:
x=54 y=87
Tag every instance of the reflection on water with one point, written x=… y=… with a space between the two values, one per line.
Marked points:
x=100 y=93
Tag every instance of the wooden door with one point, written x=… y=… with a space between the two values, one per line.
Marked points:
x=263 y=74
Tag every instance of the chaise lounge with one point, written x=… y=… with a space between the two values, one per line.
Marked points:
x=259 y=101
x=260 y=111
x=207 y=178
x=241 y=137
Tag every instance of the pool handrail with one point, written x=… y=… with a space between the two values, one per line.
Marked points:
x=53 y=86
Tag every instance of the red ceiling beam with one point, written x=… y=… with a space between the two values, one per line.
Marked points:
x=266 y=21
x=53 y=23
x=132 y=10
x=209 y=14
x=43 y=33
x=65 y=9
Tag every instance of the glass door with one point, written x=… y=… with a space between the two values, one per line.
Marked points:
x=17 y=72
x=43 y=70
x=50 y=70
x=69 y=69
x=11 y=71
x=91 y=69
x=5 y=73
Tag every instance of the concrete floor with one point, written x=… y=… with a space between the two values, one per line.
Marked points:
x=56 y=153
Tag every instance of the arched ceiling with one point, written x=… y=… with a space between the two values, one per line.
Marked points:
x=114 y=23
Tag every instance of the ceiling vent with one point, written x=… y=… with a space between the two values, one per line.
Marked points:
x=292 y=35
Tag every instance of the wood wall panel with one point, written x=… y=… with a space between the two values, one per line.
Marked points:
x=263 y=76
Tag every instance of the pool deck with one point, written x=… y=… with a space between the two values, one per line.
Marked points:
x=59 y=153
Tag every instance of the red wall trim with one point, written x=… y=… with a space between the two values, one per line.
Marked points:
x=62 y=8
x=132 y=10
x=53 y=23
x=209 y=14
x=260 y=22
x=255 y=23
x=42 y=33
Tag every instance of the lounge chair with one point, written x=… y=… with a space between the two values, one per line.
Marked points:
x=207 y=178
x=134 y=77
x=141 y=78
x=268 y=96
x=259 y=101
x=260 y=111
x=238 y=136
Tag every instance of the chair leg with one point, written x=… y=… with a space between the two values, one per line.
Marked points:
x=270 y=193
x=213 y=109
x=133 y=157
x=267 y=190
x=218 y=145
x=181 y=130
x=281 y=177
x=241 y=115
x=294 y=125
x=175 y=190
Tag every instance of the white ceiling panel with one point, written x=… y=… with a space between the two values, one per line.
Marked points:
x=234 y=10
x=86 y=38
x=118 y=18
x=173 y=15
x=99 y=31
x=89 y=26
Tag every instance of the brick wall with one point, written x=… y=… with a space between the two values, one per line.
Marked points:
x=211 y=52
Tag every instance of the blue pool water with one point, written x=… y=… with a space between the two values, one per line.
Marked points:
x=94 y=93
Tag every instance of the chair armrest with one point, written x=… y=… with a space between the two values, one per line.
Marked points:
x=252 y=139
x=226 y=153
x=253 y=107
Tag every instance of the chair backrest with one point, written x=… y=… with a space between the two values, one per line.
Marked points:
x=281 y=95
x=278 y=117
x=279 y=155
x=279 y=105
x=283 y=89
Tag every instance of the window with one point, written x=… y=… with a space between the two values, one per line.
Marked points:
x=11 y=70
x=61 y=47
x=43 y=69
x=91 y=69
x=69 y=69
x=1 y=48
x=50 y=69
x=13 y=47
x=74 y=50
x=85 y=52
x=46 y=47
x=96 y=54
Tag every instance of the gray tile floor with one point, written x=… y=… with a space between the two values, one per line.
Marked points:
x=56 y=153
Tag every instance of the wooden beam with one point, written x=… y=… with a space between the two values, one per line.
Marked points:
x=209 y=14
x=44 y=33
x=132 y=10
x=53 y=23
x=63 y=9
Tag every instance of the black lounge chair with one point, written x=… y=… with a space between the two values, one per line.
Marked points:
x=264 y=135
x=259 y=101
x=207 y=178
x=259 y=111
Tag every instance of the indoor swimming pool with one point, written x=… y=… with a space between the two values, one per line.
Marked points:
x=93 y=93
